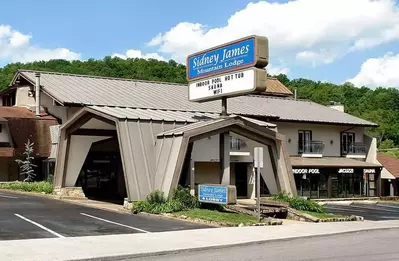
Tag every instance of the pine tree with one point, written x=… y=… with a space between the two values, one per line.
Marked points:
x=26 y=165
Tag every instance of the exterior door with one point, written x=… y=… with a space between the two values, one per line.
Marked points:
x=304 y=139
x=348 y=138
x=241 y=179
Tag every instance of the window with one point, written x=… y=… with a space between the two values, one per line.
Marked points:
x=347 y=140
x=304 y=139
x=9 y=99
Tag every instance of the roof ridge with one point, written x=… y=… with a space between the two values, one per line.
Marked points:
x=281 y=98
x=99 y=77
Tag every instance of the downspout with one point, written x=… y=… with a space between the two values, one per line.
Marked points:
x=37 y=93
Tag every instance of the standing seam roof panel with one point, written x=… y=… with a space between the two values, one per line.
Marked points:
x=165 y=96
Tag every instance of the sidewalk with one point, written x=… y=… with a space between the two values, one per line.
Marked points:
x=132 y=245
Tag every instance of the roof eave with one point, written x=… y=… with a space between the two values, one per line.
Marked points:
x=371 y=125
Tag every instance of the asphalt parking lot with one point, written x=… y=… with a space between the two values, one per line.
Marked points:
x=28 y=217
x=374 y=212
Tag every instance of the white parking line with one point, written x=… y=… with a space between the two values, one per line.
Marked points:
x=115 y=223
x=42 y=227
x=5 y=196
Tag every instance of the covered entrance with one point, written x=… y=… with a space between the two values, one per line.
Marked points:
x=101 y=176
x=240 y=174
x=112 y=153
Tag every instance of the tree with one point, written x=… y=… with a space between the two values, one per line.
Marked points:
x=380 y=105
x=26 y=165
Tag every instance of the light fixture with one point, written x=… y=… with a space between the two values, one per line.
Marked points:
x=331 y=142
x=289 y=140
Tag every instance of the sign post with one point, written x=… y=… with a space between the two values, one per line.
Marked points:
x=258 y=162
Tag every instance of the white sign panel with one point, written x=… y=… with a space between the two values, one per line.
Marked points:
x=234 y=83
x=346 y=171
x=258 y=157
x=306 y=171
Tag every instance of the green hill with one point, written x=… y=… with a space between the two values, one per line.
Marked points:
x=380 y=105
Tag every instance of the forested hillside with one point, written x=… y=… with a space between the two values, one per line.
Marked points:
x=380 y=105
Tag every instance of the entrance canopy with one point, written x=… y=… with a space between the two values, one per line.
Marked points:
x=153 y=144
x=173 y=146
x=331 y=162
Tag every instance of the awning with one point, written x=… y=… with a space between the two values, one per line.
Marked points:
x=331 y=162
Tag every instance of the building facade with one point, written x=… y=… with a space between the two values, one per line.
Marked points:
x=17 y=126
x=112 y=131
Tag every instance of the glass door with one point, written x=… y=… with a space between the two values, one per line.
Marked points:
x=334 y=186
x=348 y=139
x=304 y=139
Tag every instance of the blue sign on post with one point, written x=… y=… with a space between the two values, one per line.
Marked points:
x=213 y=194
x=247 y=52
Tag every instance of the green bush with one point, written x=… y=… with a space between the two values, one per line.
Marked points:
x=40 y=187
x=386 y=144
x=156 y=202
x=299 y=203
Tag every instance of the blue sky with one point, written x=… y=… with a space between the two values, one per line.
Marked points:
x=318 y=39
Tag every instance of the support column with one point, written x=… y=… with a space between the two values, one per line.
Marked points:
x=224 y=151
x=192 y=178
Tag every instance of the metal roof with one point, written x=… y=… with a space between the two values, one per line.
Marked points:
x=188 y=127
x=166 y=115
x=274 y=86
x=151 y=114
x=339 y=162
x=100 y=91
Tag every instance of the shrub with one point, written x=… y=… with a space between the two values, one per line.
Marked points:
x=40 y=187
x=156 y=202
x=299 y=203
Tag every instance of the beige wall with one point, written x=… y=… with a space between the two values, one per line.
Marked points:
x=207 y=151
x=207 y=173
x=22 y=97
x=4 y=134
x=97 y=124
x=324 y=133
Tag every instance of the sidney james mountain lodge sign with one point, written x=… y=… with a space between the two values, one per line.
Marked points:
x=231 y=69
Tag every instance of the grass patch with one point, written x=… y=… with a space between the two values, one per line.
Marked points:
x=39 y=187
x=322 y=215
x=219 y=216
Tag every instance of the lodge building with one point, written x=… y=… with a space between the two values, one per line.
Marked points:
x=121 y=138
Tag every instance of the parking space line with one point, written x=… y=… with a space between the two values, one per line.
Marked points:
x=42 y=227
x=5 y=196
x=115 y=223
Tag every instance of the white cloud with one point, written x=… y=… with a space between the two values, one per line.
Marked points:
x=138 y=54
x=276 y=70
x=316 y=58
x=380 y=71
x=16 y=47
x=314 y=31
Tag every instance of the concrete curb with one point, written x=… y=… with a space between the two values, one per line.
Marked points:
x=196 y=249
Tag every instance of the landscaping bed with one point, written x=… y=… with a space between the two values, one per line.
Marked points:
x=38 y=187
x=223 y=218
x=183 y=205
x=310 y=211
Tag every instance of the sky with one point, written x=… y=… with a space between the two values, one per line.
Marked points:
x=324 y=40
